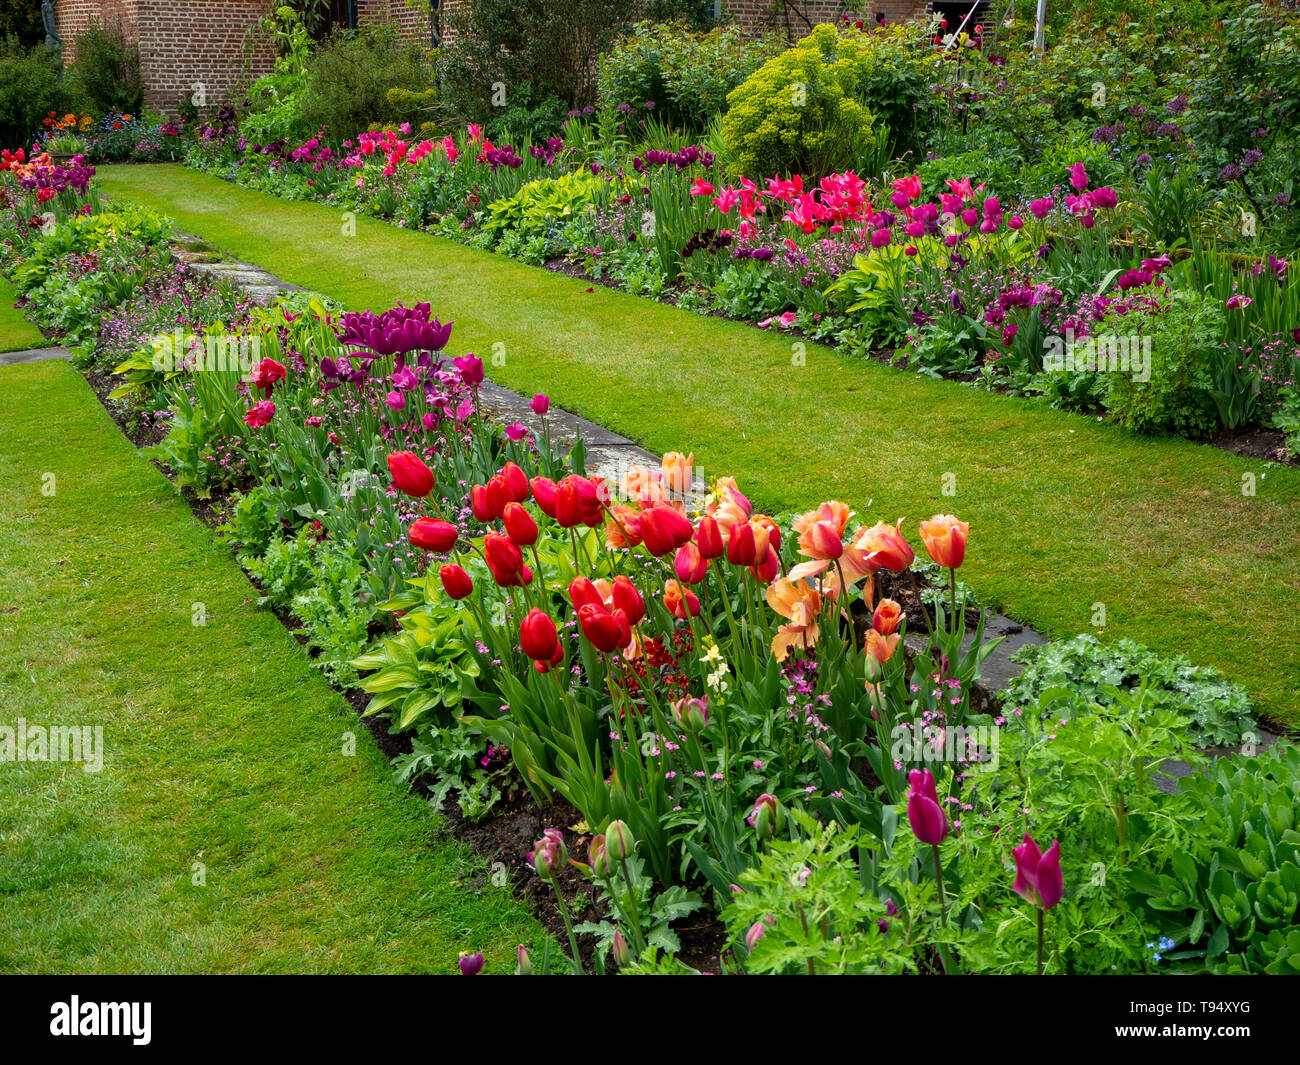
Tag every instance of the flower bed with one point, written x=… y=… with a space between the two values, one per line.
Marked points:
x=721 y=696
x=1070 y=292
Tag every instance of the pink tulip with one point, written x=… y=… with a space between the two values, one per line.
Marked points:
x=1038 y=876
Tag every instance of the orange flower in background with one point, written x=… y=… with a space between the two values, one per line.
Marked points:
x=624 y=527
x=800 y=603
x=945 y=539
x=821 y=535
x=887 y=617
x=677 y=471
x=681 y=602
x=642 y=486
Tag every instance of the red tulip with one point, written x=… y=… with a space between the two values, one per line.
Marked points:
x=748 y=544
x=607 y=632
x=767 y=570
x=498 y=495
x=479 y=501
x=582 y=592
x=517 y=481
x=691 y=566
x=505 y=560
x=627 y=599
x=410 y=474
x=538 y=638
x=1038 y=876
x=519 y=524
x=709 y=538
x=455 y=581
x=656 y=533
x=577 y=502
x=430 y=535
x=924 y=813
x=543 y=489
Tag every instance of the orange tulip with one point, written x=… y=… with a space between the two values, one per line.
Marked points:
x=681 y=603
x=879 y=647
x=624 y=527
x=729 y=506
x=677 y=470
x=800 y=603
x=885 y=547
x=887 y=617
x=945 y=539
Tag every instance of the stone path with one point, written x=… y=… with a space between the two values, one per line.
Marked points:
x=11 y=358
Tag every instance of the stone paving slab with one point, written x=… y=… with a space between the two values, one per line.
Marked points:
x=12 y=358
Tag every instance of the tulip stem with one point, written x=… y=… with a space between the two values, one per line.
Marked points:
x=1040 y=941
x=943 y=907
x=921 y=603
x=568 y=926
x=952 y=621
x=633 y=906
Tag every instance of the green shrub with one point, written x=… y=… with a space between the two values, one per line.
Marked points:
x=687 y=74
x=29 y=90
x=350 y=75
x=106 y=69
x=801 y=112
x=1183 y=334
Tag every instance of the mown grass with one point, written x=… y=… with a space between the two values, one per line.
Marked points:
x=1066 y=514
x=223 y=746
x=16 y=332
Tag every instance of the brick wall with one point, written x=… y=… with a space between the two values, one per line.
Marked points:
x=797 y=19
x=181 y=45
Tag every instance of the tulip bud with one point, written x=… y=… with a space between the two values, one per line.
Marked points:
x=583 y=593
x=519 y=524
x=756 y=932
x=525 y=967
x=692 y=715
x=455 y=581
x=598 y=856
x=1038 y=876
x=766 y=817
x=549 y=854
x=430 y=535
x=741 y=550
x=479 y=501
x=622 y=952
x=619 y=842
x=945 y=539
x=709 y=538
x=410 y=474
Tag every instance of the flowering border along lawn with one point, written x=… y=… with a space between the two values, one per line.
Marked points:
x=1072 y=515
x=221 y=745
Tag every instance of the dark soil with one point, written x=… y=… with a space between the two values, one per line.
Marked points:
x=1256 y=444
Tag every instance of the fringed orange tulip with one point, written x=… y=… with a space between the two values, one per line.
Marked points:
x=799 y=602
x=945 y=539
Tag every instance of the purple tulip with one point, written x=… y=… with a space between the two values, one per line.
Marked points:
x=924 y=814
x=471 y=964
x=549 y=854
x=1038 y=876
x=755 y=933
x=471 y=369
x=395 y=400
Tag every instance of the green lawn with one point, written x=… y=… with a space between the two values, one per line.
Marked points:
x=223 y=746
x=1065 y=513
x=16 y=332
